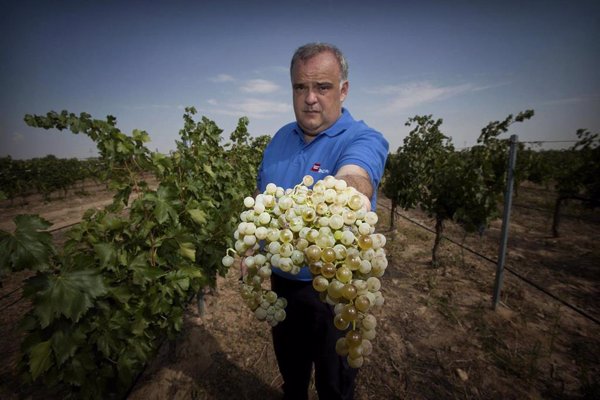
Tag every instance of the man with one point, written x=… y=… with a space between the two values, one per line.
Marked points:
x=324 y=140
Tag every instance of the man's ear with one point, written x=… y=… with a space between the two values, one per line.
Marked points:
x=344 y=91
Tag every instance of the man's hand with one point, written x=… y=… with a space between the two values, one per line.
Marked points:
x=366 y=202
x=358 y=178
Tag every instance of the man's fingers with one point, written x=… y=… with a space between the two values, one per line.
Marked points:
x=366 y=202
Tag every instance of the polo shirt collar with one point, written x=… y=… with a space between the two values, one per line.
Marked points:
x=344 y=122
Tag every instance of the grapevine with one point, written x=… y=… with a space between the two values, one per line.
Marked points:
x=327 y=229
x=104 y=302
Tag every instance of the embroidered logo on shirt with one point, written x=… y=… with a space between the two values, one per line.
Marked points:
x=317 y=168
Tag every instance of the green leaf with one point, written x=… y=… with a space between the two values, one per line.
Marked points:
x=164 y=207
x=198 y=216
x=106 y=343
x=40 y=358
x=188 y=250
x=208 y=170
x=65 y=344
x=142 y=271
x=107 y=254
x=176 y=318
x=139 y=325
x=191 y=272
x=27 y=247
x=69 y=294
x=140 y=136
x=120 y=293
x=126 y=368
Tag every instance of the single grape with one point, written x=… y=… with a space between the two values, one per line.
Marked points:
x=368 y=334
x=279 y=315
x=365 y=242
x=349 y=292
x=336 y=221
x=264 y=272
x=249 y=202
x=349 y=217
x=329 y=196
x=274 y=247
x=313 y=252
x=286 y=264
x=356 y=362
x=355 y=202
x=297 y=256
x=340 y=185
x=271 y=188
x=320 y=283
x=322 y=208
x=349 y=313
x=344 y=274
x=286 y=249
x=341 y=323
x=355 y=351
x=353 y=261
x=353 y=338
x=341 y=347
x=227 y=261
x=367 y=347
x=315 y=267
x=334 y=290
x=308 y=180
x=308 y=215
x=371 y=218
x=362 y=303
x=285 y=203
x=373 y=284
x=328 y=254
x=369 y=322
x=260 y=313
x=364 y=267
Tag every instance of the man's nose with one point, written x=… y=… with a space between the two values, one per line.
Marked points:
x=311 y=97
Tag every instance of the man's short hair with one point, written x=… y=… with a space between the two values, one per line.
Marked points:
x=312 y=49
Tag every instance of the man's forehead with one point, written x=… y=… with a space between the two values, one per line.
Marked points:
x=324 y=60
x=322 y=72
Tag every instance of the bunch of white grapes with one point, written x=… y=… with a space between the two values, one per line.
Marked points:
x=327 y=229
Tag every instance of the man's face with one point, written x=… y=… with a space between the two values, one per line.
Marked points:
x=318 y=93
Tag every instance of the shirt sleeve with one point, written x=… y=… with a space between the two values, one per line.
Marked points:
x=368 y=149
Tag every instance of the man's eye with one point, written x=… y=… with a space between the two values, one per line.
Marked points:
x=324 y=88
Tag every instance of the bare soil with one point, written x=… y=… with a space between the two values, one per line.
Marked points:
x=438 y=336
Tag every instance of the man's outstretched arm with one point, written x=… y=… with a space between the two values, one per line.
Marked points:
x=359 y=179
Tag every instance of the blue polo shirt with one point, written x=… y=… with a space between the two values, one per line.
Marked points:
x=288 y=158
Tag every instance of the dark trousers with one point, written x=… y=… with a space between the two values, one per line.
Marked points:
x=308 y=336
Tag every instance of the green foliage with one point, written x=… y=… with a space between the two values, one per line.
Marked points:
x=46 y=175
x=28 y=247
x=580 y=176
x=427 y=172
x=103 y=303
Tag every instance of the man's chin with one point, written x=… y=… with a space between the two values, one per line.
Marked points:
x=310 y=129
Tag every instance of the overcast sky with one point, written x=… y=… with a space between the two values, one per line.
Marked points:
x=467 y=62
